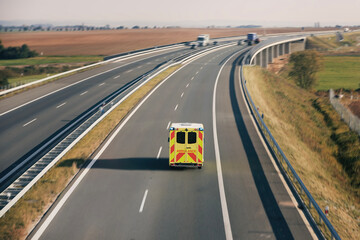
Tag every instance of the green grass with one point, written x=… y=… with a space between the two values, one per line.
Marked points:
x=28 y=78
x=50 y=60
x=339 y=72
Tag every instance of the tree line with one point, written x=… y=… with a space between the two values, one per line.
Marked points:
x=16 y=52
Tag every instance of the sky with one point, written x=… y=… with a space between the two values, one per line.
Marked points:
x=185 y=13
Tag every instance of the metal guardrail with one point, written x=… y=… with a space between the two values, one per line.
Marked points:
x=307 y=200
x=22 y=184
x=63 y=74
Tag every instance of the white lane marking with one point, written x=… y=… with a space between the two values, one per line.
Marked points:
x=60 y=89
x=139 y=66
x=157 y=157
x=143 y=201
x=117 y=77
x=192 y=78
x=30 y=122
x=101 y=84
x=224 y=208
x=197 y=72
x=129 y=70
x=168 y=125
x=201 y=68
x=176 y=107
x=182 y=95
x=62 y=201
x=83 y=93
x=61 y=105
x=187 y=85
x=301 y=213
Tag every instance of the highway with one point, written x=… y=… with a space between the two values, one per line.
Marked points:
x=131 y=193
x=32 y=117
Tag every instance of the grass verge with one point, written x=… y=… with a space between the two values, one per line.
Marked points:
x=28 y=79
x=45 y=82
x=339 y=72
x=20 y=219
x=296 y=119
x=49 y=60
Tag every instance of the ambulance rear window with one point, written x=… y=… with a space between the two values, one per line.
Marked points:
x=191 y=137
x=180 y=137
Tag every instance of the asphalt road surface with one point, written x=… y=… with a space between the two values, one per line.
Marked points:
x=24 y=127
x=131 y=193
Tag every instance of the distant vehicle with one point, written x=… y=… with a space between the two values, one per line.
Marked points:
x=215 y=42
x=251 y=37
x=193 y=45
x=203 y=40
x=257 y=40
x=186 y=145
x=346 y=29
x=241 y=42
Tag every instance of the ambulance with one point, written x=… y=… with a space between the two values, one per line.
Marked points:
x=186 y=145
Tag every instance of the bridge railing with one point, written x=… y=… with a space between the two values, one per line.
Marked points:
x=307 y=201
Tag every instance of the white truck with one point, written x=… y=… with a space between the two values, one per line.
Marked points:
x=203 y=40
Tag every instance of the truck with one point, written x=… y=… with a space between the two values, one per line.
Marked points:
x=203 y=40
x=186 y=145
x=252 y=38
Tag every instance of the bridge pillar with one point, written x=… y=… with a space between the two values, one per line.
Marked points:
x=258 y=59
x=276 y=51
x=287 y=48
x=264 y=58
x=270 y=54
x=281 y=49
x=297 y=46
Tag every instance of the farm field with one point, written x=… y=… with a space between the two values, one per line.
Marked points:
x=117 y=41
x=339 y=72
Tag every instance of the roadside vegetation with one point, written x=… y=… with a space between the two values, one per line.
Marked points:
x=330 y=44
x=20 y=71
x=339 y=72
x=24 y=215
x=41 y=60
x=320 y=147
x=16 y=52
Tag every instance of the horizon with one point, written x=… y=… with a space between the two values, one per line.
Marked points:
x=277 y=13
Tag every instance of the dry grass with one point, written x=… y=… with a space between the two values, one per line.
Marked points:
x=302 y=133
x=21 y=218
x=118 y=41
x=329 y=45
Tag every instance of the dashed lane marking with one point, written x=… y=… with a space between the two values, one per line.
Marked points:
x=143 y=201
x=29 y=122
x=61 y=105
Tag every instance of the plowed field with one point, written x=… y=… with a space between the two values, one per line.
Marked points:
x=117 y=41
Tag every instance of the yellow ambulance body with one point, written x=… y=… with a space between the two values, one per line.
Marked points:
x=186 y=147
